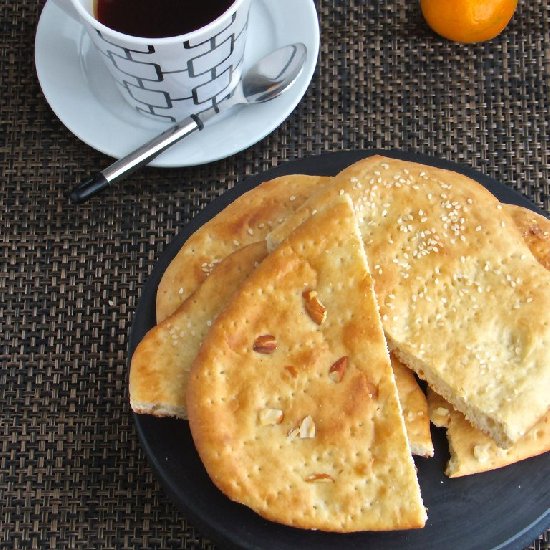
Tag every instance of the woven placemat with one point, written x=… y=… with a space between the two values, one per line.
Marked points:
x=72 y=473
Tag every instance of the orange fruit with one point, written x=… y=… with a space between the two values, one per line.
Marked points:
x=468 y=20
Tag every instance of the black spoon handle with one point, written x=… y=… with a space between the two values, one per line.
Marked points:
x=131 y=162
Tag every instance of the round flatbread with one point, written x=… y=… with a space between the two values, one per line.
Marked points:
x=292 y=402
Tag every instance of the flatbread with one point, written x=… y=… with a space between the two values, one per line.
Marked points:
x=246 y=220
x=162 y=360
x=472 y=451
x=463 y=301
x=415 y=409
x=277 y=431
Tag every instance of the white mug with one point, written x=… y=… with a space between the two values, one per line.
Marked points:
x=170 y=78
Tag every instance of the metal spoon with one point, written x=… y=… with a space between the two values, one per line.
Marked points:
x=268 y=78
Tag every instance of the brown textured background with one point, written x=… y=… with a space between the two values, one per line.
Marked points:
x=72 y=473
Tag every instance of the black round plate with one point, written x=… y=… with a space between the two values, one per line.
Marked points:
x=506 y=508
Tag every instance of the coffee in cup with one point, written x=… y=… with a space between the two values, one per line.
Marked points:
x=158 y=18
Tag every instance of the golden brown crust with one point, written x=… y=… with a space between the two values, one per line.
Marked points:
x=462 y=299
x=535 y=230
x=472 y=451
x=275 y=431
x=246 y=220
x=162 y=360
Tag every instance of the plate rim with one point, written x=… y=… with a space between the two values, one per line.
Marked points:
x=221 y=536
x=296 y=93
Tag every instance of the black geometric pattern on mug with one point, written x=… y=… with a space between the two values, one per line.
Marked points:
x=210 y=66
x=148 y=71
x=157 y=102
x=127 y=51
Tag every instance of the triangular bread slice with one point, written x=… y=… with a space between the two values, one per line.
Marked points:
x=463 y=301
x=246 y=220
x=472 y=451
x=415 y=409
x=292 y=402
x=162 y=361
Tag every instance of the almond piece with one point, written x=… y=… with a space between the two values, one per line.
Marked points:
x=315 y=309
x=270 y=417
x=319 y=478
x=338 y=369
x=307 y=428
x=266 y=343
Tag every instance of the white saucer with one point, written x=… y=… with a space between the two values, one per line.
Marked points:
x=81 y=93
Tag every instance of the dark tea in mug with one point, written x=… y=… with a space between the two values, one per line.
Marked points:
x=158 y=18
